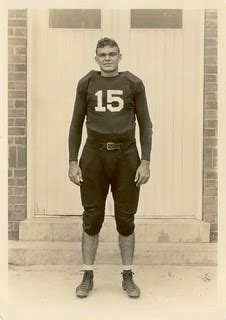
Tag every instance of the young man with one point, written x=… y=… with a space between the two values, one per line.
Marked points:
x=111 y=101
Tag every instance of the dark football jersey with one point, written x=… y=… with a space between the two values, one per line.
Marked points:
x=111 y=106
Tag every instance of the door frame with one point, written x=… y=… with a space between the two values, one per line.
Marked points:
x=31 y=119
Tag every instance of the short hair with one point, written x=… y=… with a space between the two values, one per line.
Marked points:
x=107 y=42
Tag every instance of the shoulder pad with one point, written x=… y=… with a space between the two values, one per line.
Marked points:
x=132 y=77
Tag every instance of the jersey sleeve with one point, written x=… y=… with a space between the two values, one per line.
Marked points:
x=75 y=132
x=144 y=121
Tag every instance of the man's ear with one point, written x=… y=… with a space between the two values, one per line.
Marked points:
x=95 y=59
x=120 y=57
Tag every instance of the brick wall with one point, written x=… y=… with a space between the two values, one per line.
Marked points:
x=17 y=102
x=210 y=122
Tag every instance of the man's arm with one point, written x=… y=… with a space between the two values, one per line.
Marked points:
x=145 y=127
x=75 y=136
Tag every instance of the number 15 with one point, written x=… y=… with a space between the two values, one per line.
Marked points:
x=110 y=98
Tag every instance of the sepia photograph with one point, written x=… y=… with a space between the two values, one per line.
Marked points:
x=112 y=161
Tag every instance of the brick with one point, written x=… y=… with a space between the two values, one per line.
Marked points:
x=210 y=133
x=20 y=182
x=207 y=158
x=21 y=104
x=210 y=175
x=213 y=236
x=10 y=225
x=21 y=140
x=17 y=199
x=210 y=114
x=21 y=50
x=211 y=105
x=211 y=96
x=16 y=58
x=20 y=32
x=211 y=24
x=19 y=13
x=16 y=225
x=10 y=122
x=210 y=69
x=21 y=122
x=210 y=77
x=11 y=182
x=14 y=41
x=10 y=32
x=213 y=227
x=19 y=191
x=21 y=67
x=10 y=191
x=210 y=192
x=211 y=15
x=210 y=142
x=210 y=200
x=210 y=33
x=209 y=218
x=210 y=208
x=210 y=42
x=210 y=183
x=11 y=103
x=10 y=140
x=210 y=87
x=17 y=113
x=16 y=131
x=11 y=67
x=210 y=51
x=13 y=235
x=17 y=22
x=210 y=60
x=20 y=208
x=10 y=50
x=12 y=157
x=20 y=173
x=10 y=207
x=21 y=157
x=17 y=94
x=10 y=173
x=18 y=76
x=210 y=124
x=17 y=216
x=17 y=85
x=11 y=14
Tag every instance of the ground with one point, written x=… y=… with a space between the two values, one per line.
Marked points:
x=48 y=292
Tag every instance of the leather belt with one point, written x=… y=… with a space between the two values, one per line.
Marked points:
x=110 y=146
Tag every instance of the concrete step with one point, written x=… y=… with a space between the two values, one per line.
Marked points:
x=69 y=253
x=147 y=230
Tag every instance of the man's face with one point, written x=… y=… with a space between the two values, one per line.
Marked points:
x=108 y=59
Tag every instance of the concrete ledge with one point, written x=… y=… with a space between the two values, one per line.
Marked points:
x=69 y=253
x=147 y=230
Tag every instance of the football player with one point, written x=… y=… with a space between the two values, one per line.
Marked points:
x=111 y=102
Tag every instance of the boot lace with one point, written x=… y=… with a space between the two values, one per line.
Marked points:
x=128 y=278
x=87 y=277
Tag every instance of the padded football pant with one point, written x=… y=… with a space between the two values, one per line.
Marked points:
x=102 y=168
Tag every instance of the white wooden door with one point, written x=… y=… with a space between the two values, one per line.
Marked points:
x=168 y=61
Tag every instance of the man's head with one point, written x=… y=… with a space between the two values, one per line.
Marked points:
x=108 y=56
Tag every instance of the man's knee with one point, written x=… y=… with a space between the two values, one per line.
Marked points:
x=125 y=221
x=92 y=220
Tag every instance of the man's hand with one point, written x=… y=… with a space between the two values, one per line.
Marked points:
x=142 y=173
x=75 y=173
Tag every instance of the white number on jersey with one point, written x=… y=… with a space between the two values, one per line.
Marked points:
x=110 y=99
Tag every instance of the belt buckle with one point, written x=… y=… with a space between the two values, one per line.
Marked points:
x=110 y=146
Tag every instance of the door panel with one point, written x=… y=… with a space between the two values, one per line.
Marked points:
x=168 y=62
